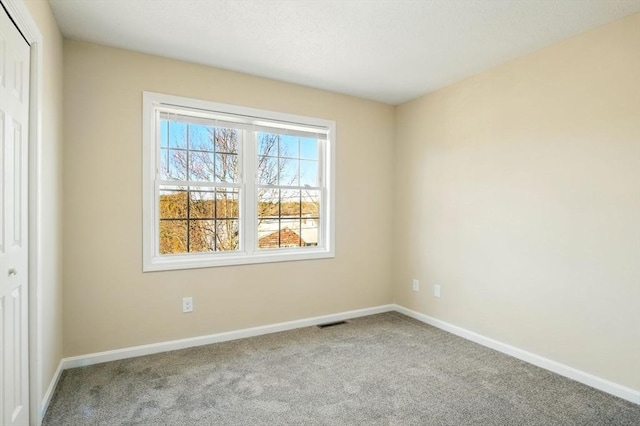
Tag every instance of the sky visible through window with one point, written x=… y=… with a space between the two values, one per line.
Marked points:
x=298 y=156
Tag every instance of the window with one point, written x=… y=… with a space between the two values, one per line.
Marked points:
x=229 y=185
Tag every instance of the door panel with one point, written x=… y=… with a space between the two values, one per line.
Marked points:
x=14 y=124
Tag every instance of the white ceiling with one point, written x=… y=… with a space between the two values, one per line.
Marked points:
x=388 y=51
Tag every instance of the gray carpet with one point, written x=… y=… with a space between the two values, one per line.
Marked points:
x=384 y=369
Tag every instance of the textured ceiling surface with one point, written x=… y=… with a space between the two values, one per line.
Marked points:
x=384 y=50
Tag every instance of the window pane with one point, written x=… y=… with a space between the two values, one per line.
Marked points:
x=201 y=236
x=173 y=236
x=308 y=148
x=164 y=133
x=226 y=140
x=173 y=204
x=202 y=204
x=201 y=166
x=290 y=203
x=309 y=173
x=310 y=223
x=268 y=144
x=227 y=204
x=309 y=231
x=200 y=137
x=281 y=234
x=164 y=164
x=290 y=233
x=177 y=165
x=288 y=146
x=177 y=135
x=310 y=203
x=268 y=233
x=280 y=218
x=268 y=202
x=226 y=168
x=267 y=172
x=288 y=172
x=279 y=223
x=227 y=235
x=212 y=220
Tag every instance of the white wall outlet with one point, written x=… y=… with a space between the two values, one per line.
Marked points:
x=416 y=285
x=436 y=290
x=187 y=304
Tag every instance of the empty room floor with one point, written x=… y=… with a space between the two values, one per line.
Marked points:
x=385 y=369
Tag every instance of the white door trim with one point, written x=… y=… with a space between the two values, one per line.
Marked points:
x=25 y=23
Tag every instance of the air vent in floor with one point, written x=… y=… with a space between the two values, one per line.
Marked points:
x=331 y=324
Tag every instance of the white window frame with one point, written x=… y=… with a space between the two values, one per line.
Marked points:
x=248 y=253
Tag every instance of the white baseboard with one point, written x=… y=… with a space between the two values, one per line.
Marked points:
x=553 y=366
x=154 y=348
x=537 y=360
x=46 y=399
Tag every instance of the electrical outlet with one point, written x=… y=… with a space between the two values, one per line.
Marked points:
x=436 y=290
x=416 y=285
x=187 y=304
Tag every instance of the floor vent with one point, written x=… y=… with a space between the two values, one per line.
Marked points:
x=331 y=324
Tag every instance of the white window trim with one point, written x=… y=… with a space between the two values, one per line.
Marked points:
x=152 y=261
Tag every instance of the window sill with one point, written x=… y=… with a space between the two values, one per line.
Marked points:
x=177 y=262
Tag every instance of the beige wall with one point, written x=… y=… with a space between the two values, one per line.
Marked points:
x=50 y=314
x=517 y=190
x=519 y=193
x=110 y=303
